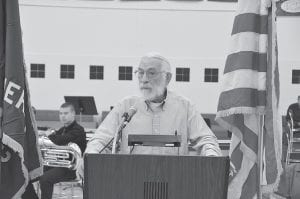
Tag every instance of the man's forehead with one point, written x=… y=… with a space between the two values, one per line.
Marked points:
x=150 y=62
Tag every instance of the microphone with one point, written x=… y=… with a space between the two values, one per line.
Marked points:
x=126 y=117
x=132 y=111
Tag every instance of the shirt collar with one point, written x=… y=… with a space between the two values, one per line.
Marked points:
x=70 y=125
x=162 y=104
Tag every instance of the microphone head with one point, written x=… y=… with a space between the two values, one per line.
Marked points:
x=131 y=112
x=125 y=115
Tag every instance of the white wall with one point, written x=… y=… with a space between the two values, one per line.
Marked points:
x=289 y=58
x=114 y=33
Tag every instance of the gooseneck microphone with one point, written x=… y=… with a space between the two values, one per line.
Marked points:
x=127 y=116
x=124 y=117
x=132 y=111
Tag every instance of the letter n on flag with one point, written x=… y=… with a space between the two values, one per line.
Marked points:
x=22 y=159
x=248 y=102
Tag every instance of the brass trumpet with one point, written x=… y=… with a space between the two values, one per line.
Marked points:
x=59 y=156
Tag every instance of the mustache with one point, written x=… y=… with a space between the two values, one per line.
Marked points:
x=145 y=87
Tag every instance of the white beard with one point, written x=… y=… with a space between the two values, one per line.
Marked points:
x=153 y=94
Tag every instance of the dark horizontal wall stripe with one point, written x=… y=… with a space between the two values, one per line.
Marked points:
x=241 y=97
x=246 y=60
x=250 y=22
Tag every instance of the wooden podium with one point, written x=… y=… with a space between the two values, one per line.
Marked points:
x=114 y=176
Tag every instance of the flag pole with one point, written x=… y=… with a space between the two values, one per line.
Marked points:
x=260 y=156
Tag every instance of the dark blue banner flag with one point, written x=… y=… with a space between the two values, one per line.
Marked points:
x=21 y=161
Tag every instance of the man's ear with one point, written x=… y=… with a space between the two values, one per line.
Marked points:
x=168 y=78
x=73 y=113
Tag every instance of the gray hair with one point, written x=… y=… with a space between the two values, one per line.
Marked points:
x=166 y=66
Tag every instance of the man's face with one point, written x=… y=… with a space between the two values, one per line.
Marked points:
x=152 y=80
x=66 y=115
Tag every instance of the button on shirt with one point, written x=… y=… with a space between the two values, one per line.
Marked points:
x=174 y=114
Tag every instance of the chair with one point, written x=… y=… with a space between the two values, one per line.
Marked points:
x=63 y=186
x=293 y=137
x=60 y=188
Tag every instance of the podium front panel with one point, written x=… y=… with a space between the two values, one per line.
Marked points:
x=113 y=176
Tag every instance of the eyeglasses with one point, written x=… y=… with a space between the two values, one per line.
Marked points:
x=150 y=74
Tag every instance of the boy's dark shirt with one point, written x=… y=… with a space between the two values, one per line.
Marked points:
x=73 y=133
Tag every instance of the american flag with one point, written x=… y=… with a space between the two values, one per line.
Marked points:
x=248 y=102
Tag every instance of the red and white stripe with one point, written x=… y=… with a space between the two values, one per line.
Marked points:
x=247 y=94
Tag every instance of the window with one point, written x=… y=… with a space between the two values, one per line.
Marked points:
x=211 y=75
x=125 y=72
x=67 y=71
x=296 y=77
x=182 y=74
x=96 y=72
x=37 y=70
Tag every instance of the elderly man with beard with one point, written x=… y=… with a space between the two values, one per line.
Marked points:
x=159 y=111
